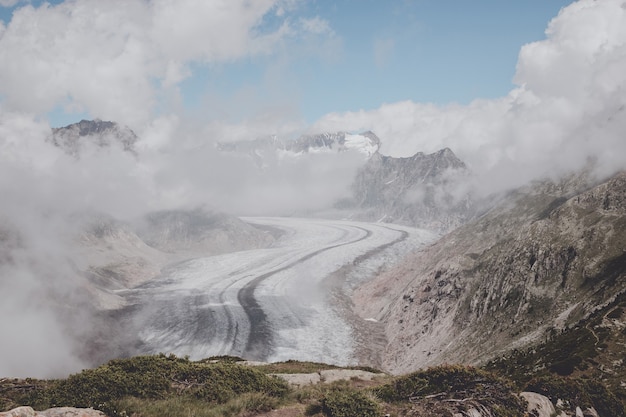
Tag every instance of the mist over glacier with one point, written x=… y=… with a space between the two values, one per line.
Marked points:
x=568 y=109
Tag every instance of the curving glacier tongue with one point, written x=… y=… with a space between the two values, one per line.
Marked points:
x=269 y=304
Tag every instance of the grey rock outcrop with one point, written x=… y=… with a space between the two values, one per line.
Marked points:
x=53 y=412
x=424 y=190
x=539 y=405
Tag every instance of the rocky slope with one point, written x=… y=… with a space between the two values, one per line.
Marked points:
x=200 y=232
x=542 y=260
x=110 y=255
x=114 y=255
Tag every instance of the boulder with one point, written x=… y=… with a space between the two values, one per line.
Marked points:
x=70 y=412
x=19 y=412
x=539 y=405
x=53 y=412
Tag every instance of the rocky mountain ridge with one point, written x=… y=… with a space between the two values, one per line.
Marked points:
x=427 y=191
x=424 y=190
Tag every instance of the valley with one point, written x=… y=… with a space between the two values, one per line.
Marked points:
x=213 y=203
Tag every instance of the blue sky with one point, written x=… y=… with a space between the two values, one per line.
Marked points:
x=373 y=52
x=428 y=51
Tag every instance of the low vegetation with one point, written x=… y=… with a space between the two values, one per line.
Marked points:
x=153 y=386
x=585 y=363
x=297 y=367
x=578 y=392
x=154 y=382
x=460 y=387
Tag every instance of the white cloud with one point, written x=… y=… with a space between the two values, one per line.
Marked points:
x=570 y=105
x=113 y=59
x=212 y=31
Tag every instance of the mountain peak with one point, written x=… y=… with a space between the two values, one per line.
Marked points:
x=419 y=190
x=450 y=158
x=102 y=133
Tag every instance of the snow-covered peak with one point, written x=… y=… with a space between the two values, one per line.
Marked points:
x=361 y=143
x=366 y=143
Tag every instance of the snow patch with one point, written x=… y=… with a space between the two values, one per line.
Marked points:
x=360 y=143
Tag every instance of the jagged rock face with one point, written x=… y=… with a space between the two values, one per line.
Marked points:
x=422 y=190
x=543 y=259
x=103 y=134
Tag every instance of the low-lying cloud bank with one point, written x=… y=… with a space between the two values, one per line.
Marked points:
x=569 y=106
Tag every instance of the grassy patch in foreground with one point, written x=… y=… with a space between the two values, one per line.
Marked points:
x=250 y=403
x=159 y=379
x=462 y=387
x=297 y=367
x=155 y=386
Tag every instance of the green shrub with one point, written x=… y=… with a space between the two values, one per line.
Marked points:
x=583 y=393
x=440 y=379
x=348 y=403
x=455 y=382
x=156 y=378
x=186 y=406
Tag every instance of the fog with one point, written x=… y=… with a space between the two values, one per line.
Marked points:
x=121 y=60
x=45 y=190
